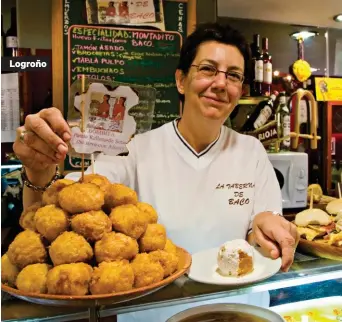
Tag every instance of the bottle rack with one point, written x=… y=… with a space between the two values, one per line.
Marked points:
x=295 y=135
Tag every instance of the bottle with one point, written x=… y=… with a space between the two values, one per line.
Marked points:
x=11 y=35
x=267 y=109
x=257 y=67
x=2 y=36
x=283 y=122
x=260 y=115
x=267 y=68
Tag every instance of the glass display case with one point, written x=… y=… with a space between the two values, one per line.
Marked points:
x=315 y=277
x=11 y=196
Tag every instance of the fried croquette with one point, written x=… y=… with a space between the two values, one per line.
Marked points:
x=81 y=197
x=91 y=225
x=168 y=261
x=27 y=248
x=102 y=182
x=111 y=277
x=32 y=278
x=69 y=279
x=115 y=246
x=149 y=212
x=26 y=220
x=118 y=194
x=154 y=238
x=9 y=272
x=146 y=271
x=51 y=221
x=70 y=247
x=50 y=195
x=170 y=247
x=129 y=220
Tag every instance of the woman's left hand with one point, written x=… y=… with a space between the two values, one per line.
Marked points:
x=277 y=236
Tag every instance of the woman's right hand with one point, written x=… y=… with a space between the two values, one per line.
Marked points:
x=41 y=142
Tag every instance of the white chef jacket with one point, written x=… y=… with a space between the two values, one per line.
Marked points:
x=203 y=199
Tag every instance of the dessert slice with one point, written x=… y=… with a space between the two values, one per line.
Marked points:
x=235 y=258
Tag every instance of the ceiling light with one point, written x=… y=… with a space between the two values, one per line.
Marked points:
x=304 y=34
x=338 y=18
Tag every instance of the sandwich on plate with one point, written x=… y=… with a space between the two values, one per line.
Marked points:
x=316 y=225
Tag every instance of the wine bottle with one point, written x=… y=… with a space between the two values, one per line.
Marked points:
x=267 y=68
x=11 y=35
x=260 y=115
x=266 y=111
x=2 y=36
x=257 y=67
x=283 y=122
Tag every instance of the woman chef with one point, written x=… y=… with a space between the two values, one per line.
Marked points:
x=208 y=183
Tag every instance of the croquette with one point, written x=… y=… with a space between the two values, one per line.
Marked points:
x=32 y=278
x=111 y=277
x=170 y=247
x=9 y=272
x=69 y=279
x=91 y=225
x=27 y=248
x=81 y=197
x=149 y=212
x=119 y=194
x=50 y=195
x=154 y=238
x=168 y=261
x=101 y=181
x=115 y=246
x=70 y=247
x=129 y=220
x=26 y=220
x=146 y=271
x=51 y=221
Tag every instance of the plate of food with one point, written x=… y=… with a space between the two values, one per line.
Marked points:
x=321 y=231
x=234 y=263
x=90 y=243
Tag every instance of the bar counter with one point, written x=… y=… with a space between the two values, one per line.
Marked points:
x=305 y=270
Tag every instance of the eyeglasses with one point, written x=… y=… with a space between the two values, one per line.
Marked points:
x=210 y=71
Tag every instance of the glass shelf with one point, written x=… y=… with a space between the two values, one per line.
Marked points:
x=304 y=271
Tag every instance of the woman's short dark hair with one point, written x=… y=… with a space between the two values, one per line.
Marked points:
x=211 y=32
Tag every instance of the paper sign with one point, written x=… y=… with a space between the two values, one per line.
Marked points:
x=328 y=89
x=122 y=12
x=108 y=126
x=10 y=111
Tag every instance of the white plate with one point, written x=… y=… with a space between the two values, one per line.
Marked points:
x=204 y=266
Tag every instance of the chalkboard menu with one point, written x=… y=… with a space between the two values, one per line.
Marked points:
x=133 y=56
